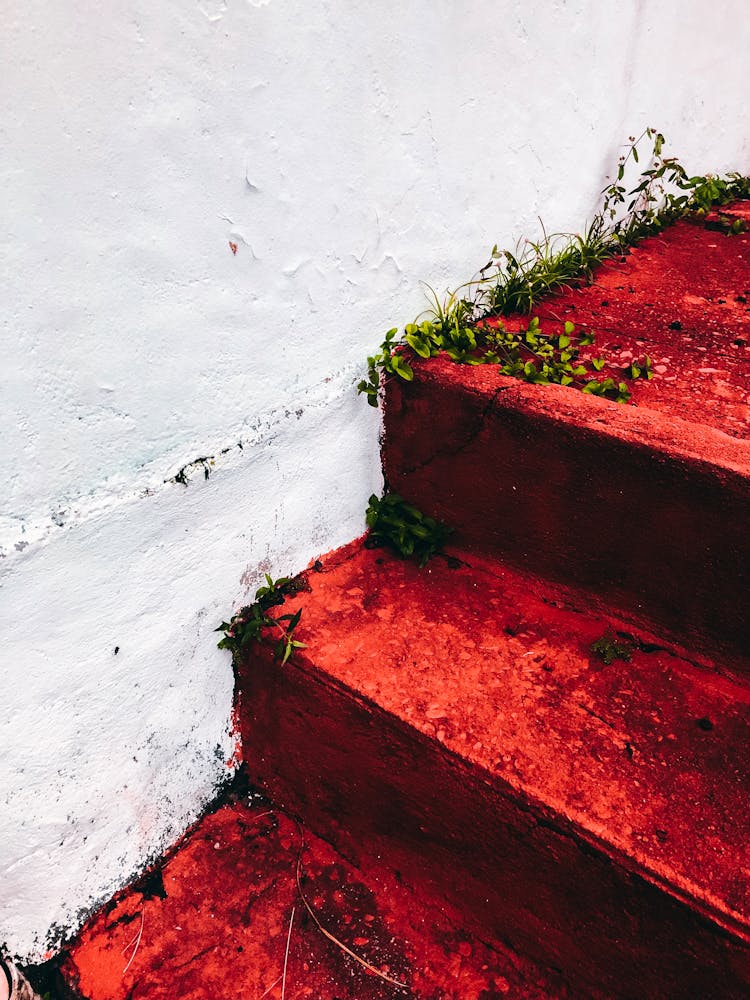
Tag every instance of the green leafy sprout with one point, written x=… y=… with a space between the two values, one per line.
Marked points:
x=609 y=648
x=467 y=327
x=254 y=623
x=399 y=525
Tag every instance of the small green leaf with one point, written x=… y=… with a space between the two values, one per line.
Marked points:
x=402 y=368
x=417 y=345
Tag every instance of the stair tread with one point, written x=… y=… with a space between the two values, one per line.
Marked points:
x=683 y=298
x=645 y=510
x=647 y=759
x=213 y=919
x=639 y=426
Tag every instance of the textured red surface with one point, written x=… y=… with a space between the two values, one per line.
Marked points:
x=212 y=923
x=454 y=720
x=647 y=505
x=691 y=277
x=485 y=777
x=650 y=515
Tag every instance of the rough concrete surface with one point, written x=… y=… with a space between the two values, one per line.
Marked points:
x=211 y=212
x=456 y=720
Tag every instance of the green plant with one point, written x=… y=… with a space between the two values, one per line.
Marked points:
x=609 y=648
x=664 y=193
x=405 y=529
x=528 y=354
x=545 y=359
x=253 y=622
x=513 y=281
x=640 y=369
x=388 y=360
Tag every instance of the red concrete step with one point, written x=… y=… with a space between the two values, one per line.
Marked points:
x=684 y=299
x=646 y=506
x=215 y=919
x=454 y=721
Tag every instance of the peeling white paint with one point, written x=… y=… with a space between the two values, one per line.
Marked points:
x=106 y=756
x=349 y=156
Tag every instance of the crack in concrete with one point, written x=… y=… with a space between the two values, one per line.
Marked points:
x=197 y=955
x=472 y=435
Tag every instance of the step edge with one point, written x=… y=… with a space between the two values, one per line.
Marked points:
x=681 y=889
x=637 y=426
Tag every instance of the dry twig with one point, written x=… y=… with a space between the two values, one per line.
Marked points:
x=286 y=956
x=340 y=944
x=273 y=984
x=134 y=941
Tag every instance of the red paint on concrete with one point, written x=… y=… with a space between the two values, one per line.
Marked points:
x=651 y=515
x=484 y=775
x=454 y=721
x=212 y=923
x=646 y=506
x=683 y=298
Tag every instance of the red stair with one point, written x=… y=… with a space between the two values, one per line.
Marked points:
x=224 y=918
x=455 y=722
x=488 y=782
x=646 y=506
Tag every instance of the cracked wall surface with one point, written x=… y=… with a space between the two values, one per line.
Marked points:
x=212 y=211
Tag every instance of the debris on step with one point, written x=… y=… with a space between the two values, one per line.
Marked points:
x=252 y=905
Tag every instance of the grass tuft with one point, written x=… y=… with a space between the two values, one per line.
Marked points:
x=467 y=324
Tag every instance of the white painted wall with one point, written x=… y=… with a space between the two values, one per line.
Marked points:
x=350 y=150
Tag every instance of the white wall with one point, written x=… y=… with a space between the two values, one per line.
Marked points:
x=350 y=150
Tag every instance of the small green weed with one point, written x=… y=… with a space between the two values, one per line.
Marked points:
x=400 y=526
x=530 y=355
x=544 y=359
x=514 y=281
x=252 y=622
x=609 y=648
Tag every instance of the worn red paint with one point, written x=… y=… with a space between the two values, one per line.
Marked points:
x=236 y=758
x=454 y=721
x=683 y=298
x=646 y=506
x=449 y=729
x=213 y=922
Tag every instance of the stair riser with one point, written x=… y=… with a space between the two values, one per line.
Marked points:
x=662 y=537
x=370 y=785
